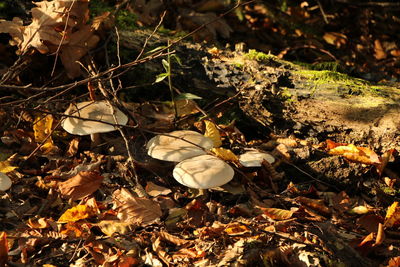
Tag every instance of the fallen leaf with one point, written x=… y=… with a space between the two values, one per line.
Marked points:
x=81 y=185
x=380 y=52
x=5 y=167
x=315 y=204
x=190 y=20
x=80 y=43
x=110 y=227
x=392 y=215
x=136 y=210
x=156 y=190
x=394 y=262
x=41 y=223
x=212 y=133
x=72 y=230
x=386 y=158
x=235 y=229
x=335 y=38
x=3 y=249
x=356 y=154
x=225 y=154
x=42 y=128
x=77 y=213
x=278 y=214
x=72 y=147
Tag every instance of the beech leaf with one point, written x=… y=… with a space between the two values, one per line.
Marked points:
x=81 y=185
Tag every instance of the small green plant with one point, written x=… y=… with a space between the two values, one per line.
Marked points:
x=167 y=74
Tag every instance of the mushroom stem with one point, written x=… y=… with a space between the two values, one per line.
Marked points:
x=96 y=140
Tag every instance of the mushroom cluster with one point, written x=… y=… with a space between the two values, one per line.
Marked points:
x=196 y=169
x=97 y=117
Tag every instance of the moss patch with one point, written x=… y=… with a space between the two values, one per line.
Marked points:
x=353 y=86
x=259 y=56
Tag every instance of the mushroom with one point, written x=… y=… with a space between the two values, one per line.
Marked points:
x=254 y=158
x=203 y=172
x=5 y=182
x=98 y=110
x=178 y=145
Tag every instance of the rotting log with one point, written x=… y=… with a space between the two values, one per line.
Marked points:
x=283 y=96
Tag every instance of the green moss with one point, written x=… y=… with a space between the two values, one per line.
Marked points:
x=329 y=65
x=125 y=20
x=259 y=56
x=98 y=7
x=344 y=82
x=388 y=190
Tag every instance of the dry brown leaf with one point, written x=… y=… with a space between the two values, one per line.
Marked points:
x=110 y=227
x=190 y=20
x=315 y=204
x=335 y=38
x=72 y=230
x=172 y=239
x=354 y=153
x=72 y=147
x=136 y=210
x=156 y=190
x=380 y=52
x=41 y=223
x=3 y=249
x=80 y=43
x=394 y=262
x=278 y=214
x=81 y=185
x=56 y=26
x=386 y=158
x=380 y=236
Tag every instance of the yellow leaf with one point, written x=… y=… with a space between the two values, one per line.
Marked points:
x=77 y=213
x=234 y=229
x=42 y=127
x=6 y=167
x=213 y=133
x=225 y=154
x=110 y=227
x=353 y=153
x=392 y=215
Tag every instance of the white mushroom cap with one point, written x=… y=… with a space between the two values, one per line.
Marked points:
x=5 y=182
x=99 y=110
x=254 y=158
x=203 y=172
x=169 y=148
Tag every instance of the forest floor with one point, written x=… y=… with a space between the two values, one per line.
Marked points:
x=314 y=85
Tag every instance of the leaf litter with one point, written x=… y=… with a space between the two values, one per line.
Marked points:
x=67 y=204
